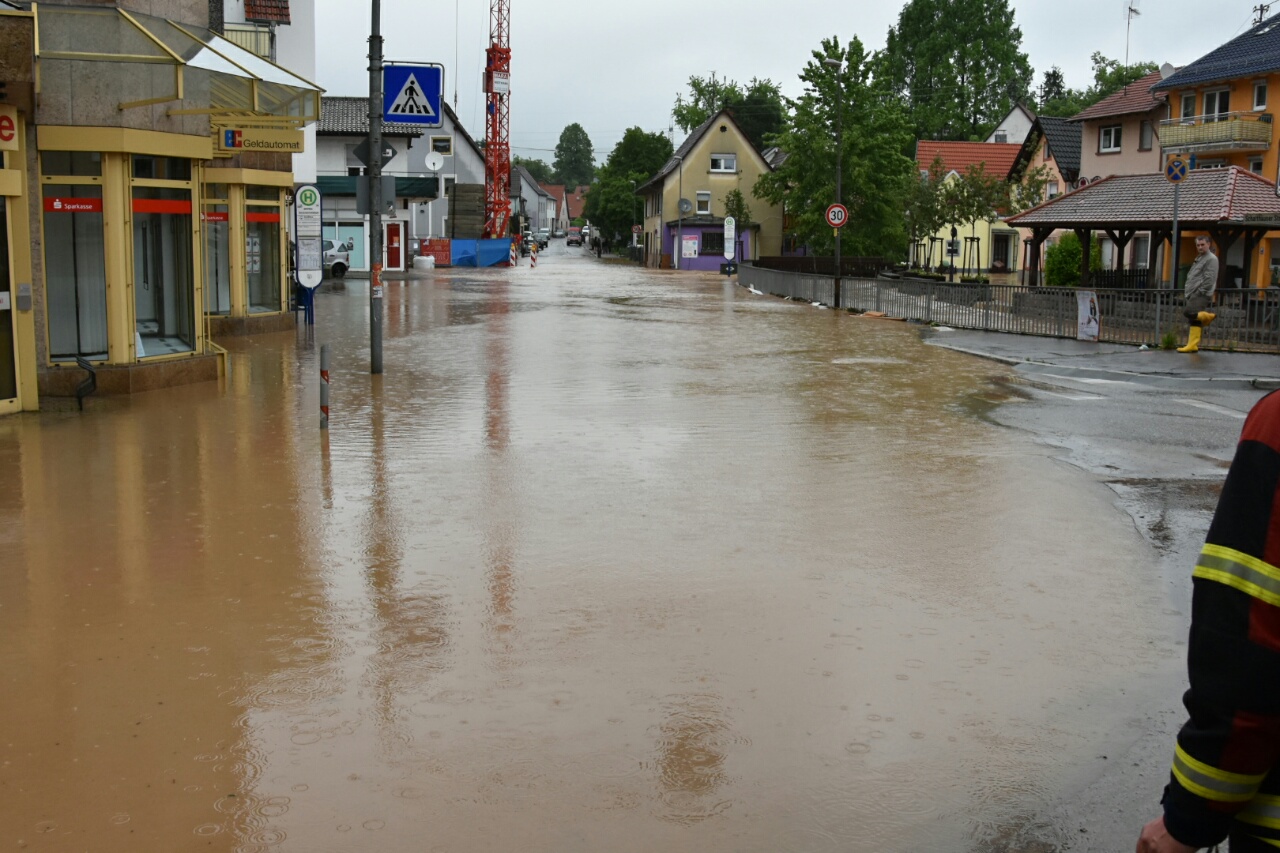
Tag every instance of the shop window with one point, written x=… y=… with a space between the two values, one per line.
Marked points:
x=75 y=271
x=8 y=361
x=262 y=194
x=217 y=259
x=713 y=242
x=262 y=259
x=162 y=168
x=79 y=164
x=215 y=192
x=163 y=283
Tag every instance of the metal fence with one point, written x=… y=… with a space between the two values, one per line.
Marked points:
x=1247 y=318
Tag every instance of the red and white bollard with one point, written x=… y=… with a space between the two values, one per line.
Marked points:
x=533 y=255
x=515 y=253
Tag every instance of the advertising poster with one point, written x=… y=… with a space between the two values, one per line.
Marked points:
x=689 y=246
x=1089 y=323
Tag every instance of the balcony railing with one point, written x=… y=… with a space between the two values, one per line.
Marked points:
x=1244 y=131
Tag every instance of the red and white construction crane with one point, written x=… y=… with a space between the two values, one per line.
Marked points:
x=497 y=136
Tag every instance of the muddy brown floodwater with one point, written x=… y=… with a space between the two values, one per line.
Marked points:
x=606 y=560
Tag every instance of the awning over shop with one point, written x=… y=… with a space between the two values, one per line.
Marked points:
x=1227 y=204
x=220 y=77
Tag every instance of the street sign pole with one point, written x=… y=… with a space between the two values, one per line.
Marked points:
x=1175 y=171
x=375 y=191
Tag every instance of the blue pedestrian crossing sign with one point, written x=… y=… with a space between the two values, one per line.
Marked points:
x=1175 y=170
x=413 y=94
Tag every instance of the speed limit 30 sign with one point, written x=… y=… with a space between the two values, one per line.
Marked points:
x=837 y=215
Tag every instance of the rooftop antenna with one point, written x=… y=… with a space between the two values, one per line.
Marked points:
x=1262 y=9
x=1131 y=12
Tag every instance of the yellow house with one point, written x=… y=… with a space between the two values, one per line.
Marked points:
x=987 y=245
x=716 y=159
x=1222 y=113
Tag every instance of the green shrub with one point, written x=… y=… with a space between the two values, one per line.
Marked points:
x=1169 y=340
x=1062 y=261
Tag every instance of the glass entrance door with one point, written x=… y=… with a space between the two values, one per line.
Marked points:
x=162 y=265
x=8 y=353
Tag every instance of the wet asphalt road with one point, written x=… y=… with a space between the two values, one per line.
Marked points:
x=607 y=559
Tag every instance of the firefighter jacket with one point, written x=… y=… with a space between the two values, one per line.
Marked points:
x=1226 y=766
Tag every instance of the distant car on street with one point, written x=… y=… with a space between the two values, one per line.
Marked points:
x=337 y=258
x=544 y=237
x=559 y=232
x=575 y=236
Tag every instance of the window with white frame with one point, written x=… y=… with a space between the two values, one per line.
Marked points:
x=724 y=162
x=1217 y=104
x=1002 y=136
x=1109 y=139
x=1255 y=165
x=704 y=203
x=1260 y=95
x=1053 y=189
x=1189 y=105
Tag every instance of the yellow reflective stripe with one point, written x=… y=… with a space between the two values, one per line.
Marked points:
x=1263 y=810
x=1241 y=571
x=1211 y=783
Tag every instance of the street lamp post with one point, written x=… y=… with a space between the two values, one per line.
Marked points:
x=679 y=213
x=838 y=65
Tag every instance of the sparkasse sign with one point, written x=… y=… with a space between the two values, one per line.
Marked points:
x=236 y=139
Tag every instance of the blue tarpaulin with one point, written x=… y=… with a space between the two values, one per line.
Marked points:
x=481 y=253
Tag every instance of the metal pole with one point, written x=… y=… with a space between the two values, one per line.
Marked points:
x=324 y=386
x=1177 y=238
x=839 y=168
x=679 y=214
x=375 y=190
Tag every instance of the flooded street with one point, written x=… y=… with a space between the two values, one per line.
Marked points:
x=608 y=559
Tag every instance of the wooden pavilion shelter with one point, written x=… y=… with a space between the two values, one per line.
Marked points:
x=1229 y=205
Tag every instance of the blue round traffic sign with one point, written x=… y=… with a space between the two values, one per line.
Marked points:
x=1175 y=170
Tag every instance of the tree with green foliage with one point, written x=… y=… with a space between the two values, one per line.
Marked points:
x=958 y=65
x=876 y=171
x=970 y=197
x=1027 y=189
x=575 y=158
x=612 y=204
x=541 y=172
x=924 y=213
x=758 y=108
x=1062 y=261
x=1109 y=77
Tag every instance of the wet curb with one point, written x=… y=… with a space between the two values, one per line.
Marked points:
x=1260 y=383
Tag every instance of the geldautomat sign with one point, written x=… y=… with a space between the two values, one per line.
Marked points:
x=235 y=139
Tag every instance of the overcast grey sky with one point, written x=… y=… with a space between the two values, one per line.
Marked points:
x=611 y=65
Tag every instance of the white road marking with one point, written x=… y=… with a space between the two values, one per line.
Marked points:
x=1210 y=407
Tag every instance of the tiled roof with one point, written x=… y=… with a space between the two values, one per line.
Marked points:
x=527 y=176
x=557 y=192
x=346 y=116
x=1137 y=97
x=577 y=200
x=267 y=11
x=1207 y=196
x=692 y=140
x=996 y=157
x=1064 y=144
x=1257 y=51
